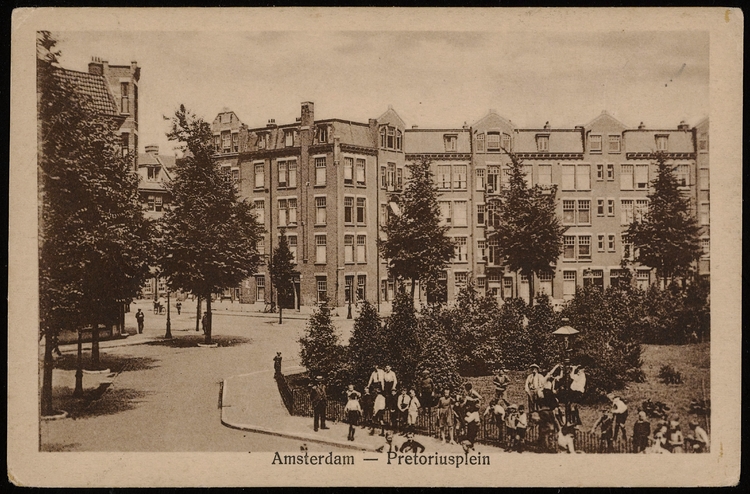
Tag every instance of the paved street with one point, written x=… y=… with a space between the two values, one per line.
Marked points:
x=167 y=399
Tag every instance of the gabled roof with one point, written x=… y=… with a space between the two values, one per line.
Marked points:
x=492 y=115
x=390 y=115
x=93 y=86
x=605 y=116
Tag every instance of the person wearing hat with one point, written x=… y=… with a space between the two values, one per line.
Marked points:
x=620 y=414
x=426 y=391
x=319 y=400
x=697 y=438
x=277 y=364
x=641 y=432
x=501 y=382
x=534 y=385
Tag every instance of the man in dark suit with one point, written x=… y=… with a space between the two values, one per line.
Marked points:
x=319 y=402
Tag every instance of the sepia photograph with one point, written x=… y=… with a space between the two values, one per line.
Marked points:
x=380 y=247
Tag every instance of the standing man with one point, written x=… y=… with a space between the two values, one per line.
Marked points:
x=534 y=386
x=277 y=364
x=319 y=400
x=139 y=317
x=501 y=382
x=376 y=378
x=427 y=390
x=390 y=381
x=620 y=414
x=179 y=307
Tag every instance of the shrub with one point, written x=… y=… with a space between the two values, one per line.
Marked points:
x=402 y=346
x=320 y=350
x=670 y=375
x=367 y=345
x=437 y=355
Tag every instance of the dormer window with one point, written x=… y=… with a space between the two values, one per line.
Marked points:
x=153 y=173
x=322 y=134
x=661 y=142
x=493 y=141
x=226 y=137
x=391 y=137
x=262 y=141
x=542 y=142
x=289 y=138
x=450 y=141
x=235 y=142
x=382 y=137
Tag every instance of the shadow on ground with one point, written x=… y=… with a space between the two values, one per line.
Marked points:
x=115 y=363
x=98 y=401
x=190 y=341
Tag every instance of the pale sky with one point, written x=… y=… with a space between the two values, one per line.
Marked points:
x=431 y=78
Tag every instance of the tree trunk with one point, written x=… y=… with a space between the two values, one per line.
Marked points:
x=95 y=363
x=280 y=314
x=208 y=320
x=47 y=374
x=198 y=315
x=78 y=392
x=531 y=289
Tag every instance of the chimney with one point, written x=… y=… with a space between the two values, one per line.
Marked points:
x=415 y=126
x=152 y=149
x=95 y=66
x=271 y=123
x=683 y=126
x=641 y=126
x=308 y=114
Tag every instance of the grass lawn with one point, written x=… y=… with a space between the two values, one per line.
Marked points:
x=692 y=361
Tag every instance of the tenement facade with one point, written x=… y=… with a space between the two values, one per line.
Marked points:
x=329 y=185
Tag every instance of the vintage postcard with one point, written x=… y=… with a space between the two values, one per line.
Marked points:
x=375 y=247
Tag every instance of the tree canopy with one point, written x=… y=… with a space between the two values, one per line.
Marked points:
x=281 y=269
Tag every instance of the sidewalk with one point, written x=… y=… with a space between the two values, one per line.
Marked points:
x=251 y=402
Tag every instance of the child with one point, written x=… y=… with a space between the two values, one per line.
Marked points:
x=412 y=411
x=697 y=438
x=659 y=440
x=411 y=446
x=353 y=409
x=641 y=431
x=510 y=425
x=675 y=441
x=368 y=400
x=445 y=415
x=378 y=411
x=522 y=422
x=498 y=415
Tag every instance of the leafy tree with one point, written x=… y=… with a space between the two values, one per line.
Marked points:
x=281 y=269
x=527 y=228
x=416 y=245
x=367 y=346
x=94 y=239
x=320 y=351
x=402 y=339
x=209 y=235
x=667 y=236
x=437 y=355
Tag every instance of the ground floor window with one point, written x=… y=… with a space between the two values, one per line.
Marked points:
x=545 y=284
x=348 y=282
x=361 y=284
x=507 y=287
x=322 y=284
x=260 y=288
x=643 y=278
x=569 y=284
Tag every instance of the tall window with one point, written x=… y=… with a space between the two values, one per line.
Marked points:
x=292 y=241
x=283 y=214
x=322 y=288
x=260 y=176
x=583 y=177
x=391 y=137
x=445 y=211
x=584 y=211
x=641 y=177
x=568 y=177
x=260 y=288
x=460 y=213
x=641 y=208
x=125 y=144
x=151 y=203
x=262 y=138
x=481 y=248
x=703 y=142
x=292 y=170
x=391 y=179
x=610 y=172
x=399 y=140
x=595 y=143
x=158 y=203
x=505 y=177
x=704 y=177
x=614 y=144
x=610 y=207
x=124 y=97
x=235 y=174
x=611 y=242
x=600 y=172
x=545 y=175
x=217 y=143
x=493 y=182
x=383 y=177
x=459 y=177
x=600 y=242
x=626 y=211
x=569 y=247
x=282 y=174
x=506 y=142
x=320 y=210
x=493 y=252
x=461 y=250
x=545 y=283
x=706 y=246
x=292 y=203
x=584 y=246
x=349 y=248
x=481 y=214
x=348 y=170
x=542 y=143
x=461 y=278
x=493 y=141
x=361 y=206
x=361 y=249
x=450 y=142
x=382 y=137
x=626 y=177
x=682 y=173
x=235 y=142
x=569 y=284
x=322 y=134
x=480 y=142
x=289 y=138
x=320 y=170
x=226 y=141
x=361 y=284
x=260 y=211
x=600 y=207
x=444 y=177
x=481 y=184
x=348 y=210
x=569 y=211
x=320 y=249
x=360 y=171
x=383 y=214
x=399 y=178
x=260 y=246
x=661 y=142
x=705 y=213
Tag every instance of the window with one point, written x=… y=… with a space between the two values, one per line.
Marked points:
x=628 y=253
x=226 y=141
x=600 y=172
x=348 y=170
x=626 y=177
x=481 y=184
x=569 y=208
x=153 y=173
x=235 y=174
x=584 y=247
x=349 y=209
x=361 y=202
x=493 y=141
x=391 y=179
x=461 y=252
x=383 y=214
x=349 y=249
x=399 y=140
x=569 y=284
x=261 y=140
x=614 y=144
x=289 y=138
x=493 y=214
x=323 y=134
x=481 y=282
x=399 y=178
x=361 y=249
x=593 y=277
x=382 y=137
x=217 y=143
x=292 y=173
x=704 y=178
x=235 y=142
x=600 y=207
x=480 y=142
x=506 y=142
x=682 y=173
x=528 y=171
x=481 y=247
x=348 y=289
x=461 y=278
x=322 y=284
x=583 y=177
x=320 y=210
x=260 y=246
x=292 y=241
x=492 y=181
x=642 y=278
x=545 y=283
x=641 y=177
x=545 y=175
x=595 y=143
x=292 y=203
x=600 y=243
x=507 y=286
x=569 y=247
x=481 y=214
x=320 y=170
x=260 y=211
x=282 y=174
x=626 y=211
x=360 y=171
x=703 y=142
x=641 y=208
x=706 y=246
x=150 y=203
x=584 y=211
x=610 y=172
x=610 y=207
x=391 y=137
x=459 y=177
x=460 y=213
x=704 y=213
x=158 y=203
x=320 y=249
x=260 y=288
x=125 y=144
x=505 y=177
x=260 y=176
x=542 y=143
x=450 y=142
x=445 y=211
x=383 y=180
x=124 y=97
x=661 y=142
x=444 y=177
x=283 y=213
x=568 y=177
x=611 y=242
x=361 y=283
x=493 y=257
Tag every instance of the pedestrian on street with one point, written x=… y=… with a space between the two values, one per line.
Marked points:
x=319 y=400
x=179 y=307
x=277 y=364
x=204 y=322
x=139 y=317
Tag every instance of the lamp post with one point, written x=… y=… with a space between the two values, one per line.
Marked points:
x=169 y=321
x=566 y=332
x=349 y=290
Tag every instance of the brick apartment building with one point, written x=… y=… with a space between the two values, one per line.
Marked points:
x=328 y=184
